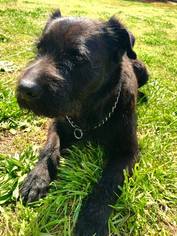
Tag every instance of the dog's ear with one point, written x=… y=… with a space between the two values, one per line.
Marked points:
x=55 y=14
x=122 y=40
x=132 y=39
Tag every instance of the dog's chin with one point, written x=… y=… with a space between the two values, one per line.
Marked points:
x=49 y=110
x=44 y=112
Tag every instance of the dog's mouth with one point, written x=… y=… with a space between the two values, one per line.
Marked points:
x=47 y=107
x=39 y=107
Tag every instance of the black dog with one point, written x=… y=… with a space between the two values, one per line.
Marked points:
x=85 y=76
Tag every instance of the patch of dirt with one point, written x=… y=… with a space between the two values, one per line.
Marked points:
x=7 y=66
x=12 y=143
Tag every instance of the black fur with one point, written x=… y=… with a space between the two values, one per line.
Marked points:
x=77 y=73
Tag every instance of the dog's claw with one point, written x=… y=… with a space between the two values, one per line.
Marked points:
x=35 y=185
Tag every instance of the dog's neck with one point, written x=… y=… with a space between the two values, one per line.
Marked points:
x=96 y=114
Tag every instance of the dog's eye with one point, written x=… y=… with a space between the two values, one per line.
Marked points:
x=76 y=57
x=81 y=60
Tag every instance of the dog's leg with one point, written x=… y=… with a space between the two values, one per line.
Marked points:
x=94 y=215
x=96 y=210
x=37 y=182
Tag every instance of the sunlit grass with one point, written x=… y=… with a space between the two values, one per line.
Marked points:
x=148 y=204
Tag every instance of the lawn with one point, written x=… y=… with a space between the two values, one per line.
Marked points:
x=148 y=204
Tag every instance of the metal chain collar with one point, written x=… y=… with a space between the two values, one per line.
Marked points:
x=78 y=132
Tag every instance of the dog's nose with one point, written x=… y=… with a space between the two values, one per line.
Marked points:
x=29 y=89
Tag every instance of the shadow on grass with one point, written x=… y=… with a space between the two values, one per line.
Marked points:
x=142 y=98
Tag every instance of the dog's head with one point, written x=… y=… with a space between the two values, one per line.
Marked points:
x=75 y=58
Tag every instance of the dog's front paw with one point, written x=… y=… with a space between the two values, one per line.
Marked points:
x=36 y=184
x=91 y=225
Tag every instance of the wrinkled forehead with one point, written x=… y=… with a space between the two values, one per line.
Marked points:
x=71 y=32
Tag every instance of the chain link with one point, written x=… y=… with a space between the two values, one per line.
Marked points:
x=101 y=123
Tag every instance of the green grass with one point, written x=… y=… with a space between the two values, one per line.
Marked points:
x=148 y=204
